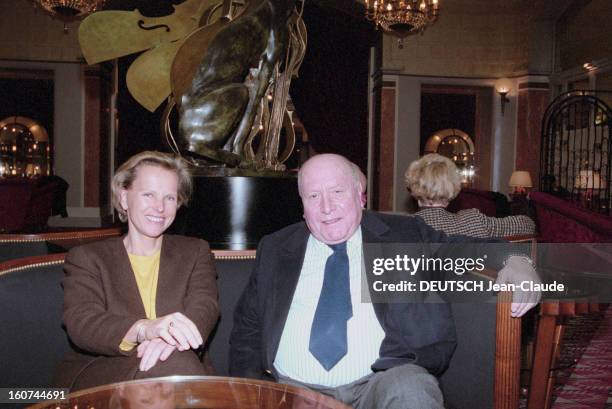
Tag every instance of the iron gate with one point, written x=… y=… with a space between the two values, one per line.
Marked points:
x=575 y=161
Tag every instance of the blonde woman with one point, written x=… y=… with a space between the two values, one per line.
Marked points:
x=139 y=306
x=434 y=181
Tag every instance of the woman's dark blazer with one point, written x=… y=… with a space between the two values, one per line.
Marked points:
x=102 y=302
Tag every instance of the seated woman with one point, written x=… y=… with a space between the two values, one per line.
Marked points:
x=141 y=305
x=434 y=181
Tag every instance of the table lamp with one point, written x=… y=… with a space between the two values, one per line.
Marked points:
x=520 y=180
x=588 y=181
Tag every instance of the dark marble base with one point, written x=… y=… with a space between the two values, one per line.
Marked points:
x=235 y=212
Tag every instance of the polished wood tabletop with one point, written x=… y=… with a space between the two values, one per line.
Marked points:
x=202 y=392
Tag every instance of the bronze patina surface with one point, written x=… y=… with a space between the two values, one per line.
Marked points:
x=227 y=66
x=240 y=60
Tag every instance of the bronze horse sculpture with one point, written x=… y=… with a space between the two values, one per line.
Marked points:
x=225 y=71
x=218 y=110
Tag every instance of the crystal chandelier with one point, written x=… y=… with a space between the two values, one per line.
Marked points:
x=69 y=10
x=402 y=17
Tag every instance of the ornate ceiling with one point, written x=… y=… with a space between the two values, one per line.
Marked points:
x=541 y=9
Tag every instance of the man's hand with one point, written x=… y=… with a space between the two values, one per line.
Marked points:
x=153 y=351
x=517 y=270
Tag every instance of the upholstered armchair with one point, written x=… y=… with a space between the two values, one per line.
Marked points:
x=492 y=204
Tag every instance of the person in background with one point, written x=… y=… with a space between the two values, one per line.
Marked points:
x=139 y=306
x=434 y=181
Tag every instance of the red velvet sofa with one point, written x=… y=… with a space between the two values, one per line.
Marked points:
x=25 y=204
x=579 y=254
x=492 y=204
x=483 y=373
x=561 y=221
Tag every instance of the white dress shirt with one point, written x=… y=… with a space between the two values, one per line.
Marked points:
x=364 y=333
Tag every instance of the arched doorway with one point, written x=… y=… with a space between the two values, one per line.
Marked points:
x=576 y=153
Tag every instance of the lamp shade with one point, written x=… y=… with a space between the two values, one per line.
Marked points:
x=520 y=178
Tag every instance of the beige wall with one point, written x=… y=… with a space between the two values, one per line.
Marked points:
x=463 y=45
x=27 y=33
x=470 y=49
x=406 y=131
x=585 y=34
x=32 y=40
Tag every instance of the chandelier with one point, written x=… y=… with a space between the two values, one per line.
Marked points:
x=402 y=17
x=69 y=10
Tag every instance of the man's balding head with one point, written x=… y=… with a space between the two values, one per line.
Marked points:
x=331 y=194
x=363 y=182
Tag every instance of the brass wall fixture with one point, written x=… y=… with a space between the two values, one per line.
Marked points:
x=503 y=98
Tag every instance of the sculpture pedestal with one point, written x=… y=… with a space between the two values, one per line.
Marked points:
x=235 y=212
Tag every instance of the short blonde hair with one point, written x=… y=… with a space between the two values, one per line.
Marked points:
x=433 y=179
x=126 y=174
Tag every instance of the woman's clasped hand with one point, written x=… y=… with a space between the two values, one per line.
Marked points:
x=158 y=338
x=175 y=329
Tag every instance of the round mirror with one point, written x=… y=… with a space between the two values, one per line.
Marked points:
x=24 y=148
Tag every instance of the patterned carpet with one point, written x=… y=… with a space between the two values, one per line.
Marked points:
x=584 y=374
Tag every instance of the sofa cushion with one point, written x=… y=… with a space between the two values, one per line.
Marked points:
x=13 y=250
x=31 y=312
x=233 y=276
x=492 y=204
x=560 y=221
x=468 y=381
x=33 y=341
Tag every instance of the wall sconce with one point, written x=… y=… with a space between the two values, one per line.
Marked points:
x=503 y=98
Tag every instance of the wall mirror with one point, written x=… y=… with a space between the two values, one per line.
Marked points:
x=24 y=148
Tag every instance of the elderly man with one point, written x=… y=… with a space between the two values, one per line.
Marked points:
x=301 y=319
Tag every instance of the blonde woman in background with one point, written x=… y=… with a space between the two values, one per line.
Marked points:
x=434 y=181
x=139 y=306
